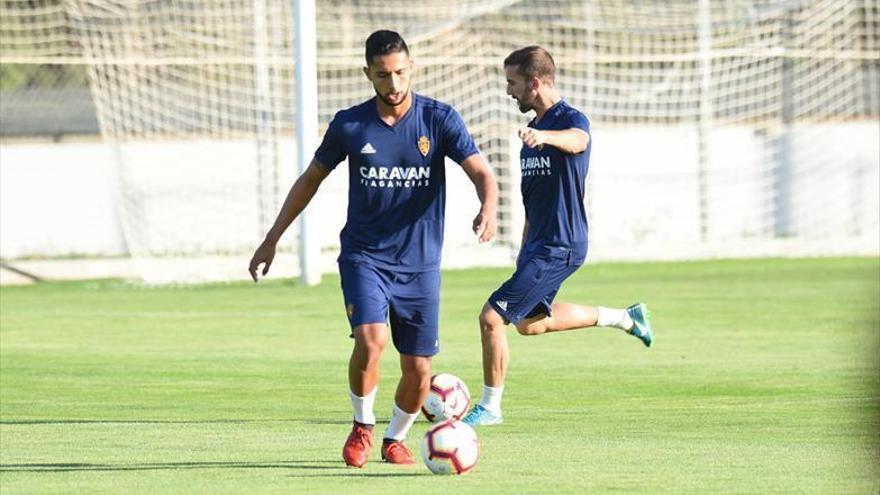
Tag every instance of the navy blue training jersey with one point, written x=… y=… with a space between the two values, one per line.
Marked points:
x=397 y=180
x=553 y=185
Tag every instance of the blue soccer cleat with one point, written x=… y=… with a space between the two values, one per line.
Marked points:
x=641 y=323
x=480 y=416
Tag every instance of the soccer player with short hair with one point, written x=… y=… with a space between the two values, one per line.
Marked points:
x=396 y=144
x=554 y=160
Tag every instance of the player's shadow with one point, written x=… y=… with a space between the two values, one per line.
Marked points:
x=352 y=472
x=312 y=421
x=330 y=468
x=159 y=466
x=340 y=470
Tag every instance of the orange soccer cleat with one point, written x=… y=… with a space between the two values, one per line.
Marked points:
x=395 y=452
x=358 y=445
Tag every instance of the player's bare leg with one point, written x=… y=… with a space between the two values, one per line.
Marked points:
x=496 y=354
x=568 y=316
x=363 y=377
x=415 y=382
x=565 y=316
x=370 y=340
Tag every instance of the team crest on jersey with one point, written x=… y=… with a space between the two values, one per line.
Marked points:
x=424 y=145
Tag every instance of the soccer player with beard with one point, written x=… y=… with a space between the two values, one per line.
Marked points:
x=554 y=159
x=396 y=144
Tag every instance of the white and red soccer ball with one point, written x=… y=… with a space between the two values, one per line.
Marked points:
x=450 y=447
x=448 y=398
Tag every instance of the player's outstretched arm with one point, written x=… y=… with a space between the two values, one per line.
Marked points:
x=571 y=141
x=481 y=175
x=300 y=195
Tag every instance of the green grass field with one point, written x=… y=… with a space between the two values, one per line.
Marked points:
x=764 y=378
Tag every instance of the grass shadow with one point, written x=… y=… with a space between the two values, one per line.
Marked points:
x=359 y=474
x=77 y=466
x=310 y=421
x=340 y=469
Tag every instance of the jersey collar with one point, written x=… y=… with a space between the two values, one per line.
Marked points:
x=406 y=116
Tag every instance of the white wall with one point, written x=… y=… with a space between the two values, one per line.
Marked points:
x=61 y=199
x=179 y=197
x=57 y=199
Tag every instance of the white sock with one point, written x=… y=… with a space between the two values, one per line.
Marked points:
x=363 y=407
x=491 y=399
x=401 y=422
x=609 y=317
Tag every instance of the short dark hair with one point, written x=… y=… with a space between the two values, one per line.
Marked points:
x=533 y=61
x=383 y=42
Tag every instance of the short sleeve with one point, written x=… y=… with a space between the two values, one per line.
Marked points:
x=459 y=142
x=332 y=149
x=579 y=121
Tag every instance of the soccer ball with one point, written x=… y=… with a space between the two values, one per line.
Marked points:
x=448 y=398
x=450 y=447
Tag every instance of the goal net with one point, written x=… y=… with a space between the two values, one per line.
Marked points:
x=736 y=128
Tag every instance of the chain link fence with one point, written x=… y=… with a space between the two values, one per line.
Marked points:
x=46 y=100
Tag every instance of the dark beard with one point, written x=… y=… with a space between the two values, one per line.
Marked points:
x=401 y=102
x=523 y=107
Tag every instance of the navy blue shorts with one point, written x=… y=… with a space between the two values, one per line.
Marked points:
x=409 y=301
x=531 y=289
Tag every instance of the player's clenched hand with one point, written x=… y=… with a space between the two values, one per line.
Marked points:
x=264 y=254
x=532 y=138
x=484 y=227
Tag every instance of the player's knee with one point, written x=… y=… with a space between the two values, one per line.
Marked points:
x=370 y=340
x=490 y=320
x=368 y=355
x=417 y=369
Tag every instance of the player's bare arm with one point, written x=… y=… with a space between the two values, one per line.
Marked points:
x=300 y=195
x=483 y=179
x=570 y=141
